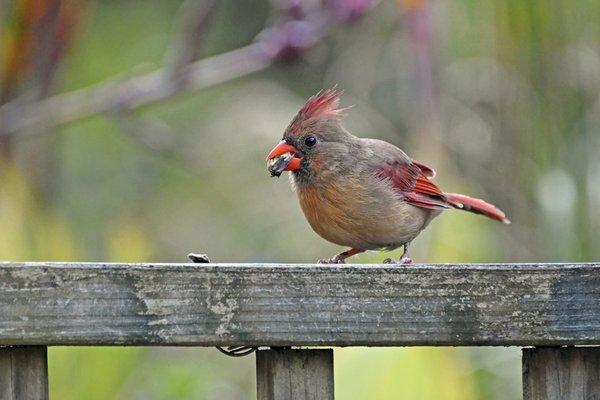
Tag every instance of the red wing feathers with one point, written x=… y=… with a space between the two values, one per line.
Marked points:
x=425 y=186
x=424 y=201
x=402 y=176
x=412 y=180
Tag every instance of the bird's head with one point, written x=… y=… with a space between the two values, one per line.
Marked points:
x=314 y=140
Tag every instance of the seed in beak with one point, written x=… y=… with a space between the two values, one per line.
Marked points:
x=277 y=165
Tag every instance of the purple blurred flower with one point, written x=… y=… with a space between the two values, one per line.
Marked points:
x=288 y=41
x=349 y=10
x=304 y=22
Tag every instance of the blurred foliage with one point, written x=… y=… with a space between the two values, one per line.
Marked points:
x=30 y=231
x=414 y=373
x=500 y=97
x=90 y=373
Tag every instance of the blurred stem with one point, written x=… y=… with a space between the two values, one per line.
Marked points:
x=39 y=43
x=195 y=18
x=131 y=93
x=44 y=64
x=420 y=35
x=40 y=155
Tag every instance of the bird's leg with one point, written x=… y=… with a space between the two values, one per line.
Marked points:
x=405 y=259
x=341 y=258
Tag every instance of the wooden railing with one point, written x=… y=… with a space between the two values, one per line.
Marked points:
x=553 y=307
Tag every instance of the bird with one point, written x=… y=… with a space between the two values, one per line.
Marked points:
x=361 y=193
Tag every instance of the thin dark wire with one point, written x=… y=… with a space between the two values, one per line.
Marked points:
x=237 y=351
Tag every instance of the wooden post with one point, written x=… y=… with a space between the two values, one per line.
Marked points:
x=23 y=373
x=286 y=374
x=561 y=373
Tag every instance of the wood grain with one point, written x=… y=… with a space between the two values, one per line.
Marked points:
x=283 y=305
x=286 y=374
x=23 y=373
x=571 y=373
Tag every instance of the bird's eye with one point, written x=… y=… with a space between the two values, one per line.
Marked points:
x=310 y=141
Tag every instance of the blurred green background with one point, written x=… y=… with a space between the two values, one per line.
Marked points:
x=500 y=97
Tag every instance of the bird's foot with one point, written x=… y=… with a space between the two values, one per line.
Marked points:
x=333 y=260
x=341 y=258
x=402 y=261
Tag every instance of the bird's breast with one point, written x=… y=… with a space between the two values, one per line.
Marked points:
x=367 y=217
x=328 y=213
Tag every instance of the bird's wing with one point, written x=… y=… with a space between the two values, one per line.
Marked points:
x=411 y=178
x=414 y=184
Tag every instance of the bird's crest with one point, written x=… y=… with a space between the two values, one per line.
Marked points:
x=324 y=104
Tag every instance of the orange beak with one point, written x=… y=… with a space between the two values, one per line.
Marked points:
x=291 y=165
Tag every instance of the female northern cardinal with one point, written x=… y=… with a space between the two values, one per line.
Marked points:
x=363 y=193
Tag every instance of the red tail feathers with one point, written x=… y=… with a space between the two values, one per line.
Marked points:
x=476 y=206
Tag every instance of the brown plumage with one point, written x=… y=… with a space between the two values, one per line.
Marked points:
x=363 y=193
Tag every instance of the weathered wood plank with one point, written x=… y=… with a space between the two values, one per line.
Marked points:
x=567 y=373
x=285 y=374
x=23 y=373
x=282 y=305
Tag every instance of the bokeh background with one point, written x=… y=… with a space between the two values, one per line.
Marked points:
x=136 y=130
